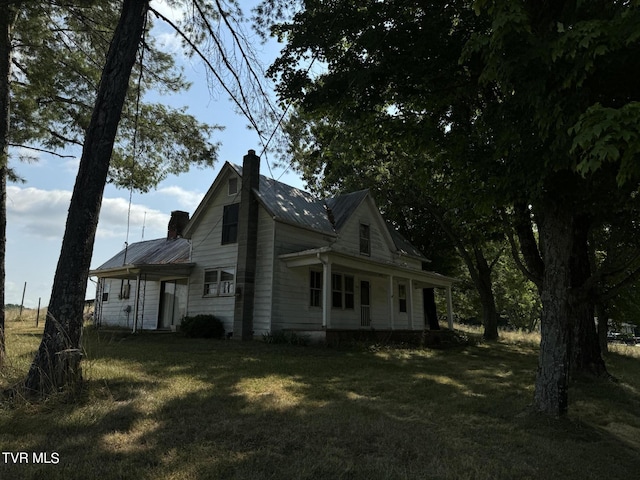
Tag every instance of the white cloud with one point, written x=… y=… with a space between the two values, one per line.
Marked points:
x=173 y=12
x=38 y=212
x=43 y=213
x=113 y=220
x=71 y=165
x=166 y=37
x=186 y=198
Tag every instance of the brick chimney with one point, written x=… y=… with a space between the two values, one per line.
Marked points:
x=247 y=248
x=177 y=222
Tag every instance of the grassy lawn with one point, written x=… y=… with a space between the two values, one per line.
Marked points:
x=160 y=406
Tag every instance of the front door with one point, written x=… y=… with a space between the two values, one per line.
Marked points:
x=173 y=302
x=365 y=304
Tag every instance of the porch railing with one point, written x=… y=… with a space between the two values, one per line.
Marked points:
x=365 y=316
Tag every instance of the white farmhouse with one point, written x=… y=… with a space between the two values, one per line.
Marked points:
x=266 y=257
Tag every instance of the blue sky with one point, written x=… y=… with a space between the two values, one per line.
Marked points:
x=37 y=209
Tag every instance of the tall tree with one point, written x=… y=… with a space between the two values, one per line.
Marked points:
x=7 y=16
x=57 y=354
x=57 y=363
x=546 y=86
x=416 y=191
x=50 y=56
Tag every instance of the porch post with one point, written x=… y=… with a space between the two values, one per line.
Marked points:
x=410 y=303
x=135 y=307
x=449 y=307
x=391 y=310
x=326 y=294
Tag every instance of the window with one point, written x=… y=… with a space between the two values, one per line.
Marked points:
x=125 y=290
x=336 y=290
x=348 y=292
x=230 y=223
x=233 y=186
x=342 y=291
x=402 y=297
x=105 y=291
x=219 y=282
x=365 y=239
x=315 y=288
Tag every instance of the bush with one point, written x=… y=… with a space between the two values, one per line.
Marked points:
x=202 y=326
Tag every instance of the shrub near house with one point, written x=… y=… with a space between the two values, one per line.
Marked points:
x=202 y=326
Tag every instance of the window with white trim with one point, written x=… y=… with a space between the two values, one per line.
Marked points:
x=125 y=290
x=402 y=297
x=219 y=282
x=349 y=297
x=315 y=288
x=365 y=239
x=230 y=223
x=105 y=291
x=336 y=290
x=342 y=291
x=233 y=186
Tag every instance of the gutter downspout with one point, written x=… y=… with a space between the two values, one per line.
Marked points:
x=135 y=309
x=326 y=284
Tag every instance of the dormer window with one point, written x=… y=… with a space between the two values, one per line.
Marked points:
x=365 y=239
x=233 y=186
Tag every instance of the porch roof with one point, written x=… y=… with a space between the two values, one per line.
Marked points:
x=319 y=256
x=150 y=272
x=154 y=258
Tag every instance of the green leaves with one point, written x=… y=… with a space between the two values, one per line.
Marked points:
x=608 y=135
x=59 y=52
x=168 y=141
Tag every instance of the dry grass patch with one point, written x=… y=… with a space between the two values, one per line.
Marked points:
x=165 y=407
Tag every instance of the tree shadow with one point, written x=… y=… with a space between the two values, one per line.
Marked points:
x=214 y=409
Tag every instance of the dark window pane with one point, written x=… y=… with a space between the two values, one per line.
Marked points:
x=348 y=292
x=315 y=288
x=230 y=223
x=365 y=239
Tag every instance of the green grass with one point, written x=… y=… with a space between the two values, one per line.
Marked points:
x=160 y=406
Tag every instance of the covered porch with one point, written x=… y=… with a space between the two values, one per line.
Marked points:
x=382 y=296
x=154 y=295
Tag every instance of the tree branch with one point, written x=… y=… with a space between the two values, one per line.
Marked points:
x=242 y=103
x=36 y=149
x=528 y=245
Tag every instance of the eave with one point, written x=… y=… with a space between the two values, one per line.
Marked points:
x=318 y=256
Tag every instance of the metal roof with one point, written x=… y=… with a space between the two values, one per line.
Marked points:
x=295 y=206
x=402 y=244
x=161 y=251
x=342 y=206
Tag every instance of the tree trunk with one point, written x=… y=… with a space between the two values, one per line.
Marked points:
x=528 y=245
x=484 y=286
x=552 y=379
x=480 y=272
x=6 y=23
x=57 y=362
x=586 y=356
x=602 y=313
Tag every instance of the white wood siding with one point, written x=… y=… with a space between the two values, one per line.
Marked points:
x=349 y=239
x=264 y=275
x=207 y=252
x=291 y=308
x=113 y=312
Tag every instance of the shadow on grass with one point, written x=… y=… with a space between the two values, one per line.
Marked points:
x=168 y=407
